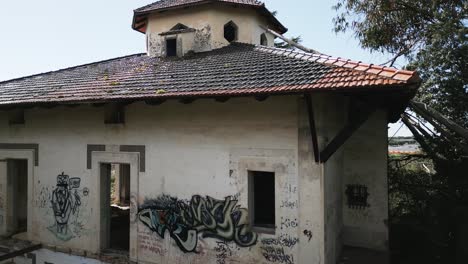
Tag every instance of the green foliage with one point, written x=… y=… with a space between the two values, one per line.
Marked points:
x=429 y=212
x=428 y=209
x=418 y=201
x=431 y=34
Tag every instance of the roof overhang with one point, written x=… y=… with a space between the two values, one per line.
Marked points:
x=140 y=18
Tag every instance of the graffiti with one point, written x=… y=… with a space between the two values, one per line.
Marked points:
x=308 y=234
x=289 y=188
x=148 y=243
x=85 y=191
x=44 y=197
x=223 y=251
x=66 y=201
x=208 y=217
x=283 y=240
x=277 y=255
x=288 y=204
x=288 y=223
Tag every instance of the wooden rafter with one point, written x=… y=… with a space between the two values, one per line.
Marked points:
x=20 y=252
x=433 y=116
x=358 y=115
x=290 y=41
x=419 y=138
x=312 y=127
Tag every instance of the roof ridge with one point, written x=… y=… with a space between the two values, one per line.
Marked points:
x=70 y=68
x=142 y=9
x=381 y=71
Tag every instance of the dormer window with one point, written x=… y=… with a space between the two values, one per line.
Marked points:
x=263 y=40
x=171 y=47
x=230 y=31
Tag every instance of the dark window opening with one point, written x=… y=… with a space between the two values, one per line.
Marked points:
x=117 y=199
x=179 y=26
x=171 y=47
x=262 y=198
x=230 y=31
x=357 y=196
x=114 y=114
x=17 y=191
x=263 y=40
x=16 y=117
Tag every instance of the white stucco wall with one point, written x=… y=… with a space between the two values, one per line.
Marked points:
x=208 y=21
x=366 y=164
x=204 y=148
x=331 y=116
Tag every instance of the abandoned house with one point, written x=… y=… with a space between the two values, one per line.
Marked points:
x=212 y=147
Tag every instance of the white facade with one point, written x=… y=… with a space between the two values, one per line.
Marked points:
x=205 y=149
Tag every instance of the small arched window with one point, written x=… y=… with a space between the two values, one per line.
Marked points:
x=230 y=31
x=263 y=40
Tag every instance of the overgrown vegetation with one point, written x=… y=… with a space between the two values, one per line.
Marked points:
x=431 y=34
x=429 y=210
x=416 y=198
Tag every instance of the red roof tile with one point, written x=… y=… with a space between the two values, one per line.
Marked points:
x=238 y=69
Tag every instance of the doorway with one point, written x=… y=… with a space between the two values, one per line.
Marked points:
x=16 y=193
x=115 y=210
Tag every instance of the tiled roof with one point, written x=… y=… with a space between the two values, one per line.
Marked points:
x=238 y=69
x=140 y=16
x=163 y=4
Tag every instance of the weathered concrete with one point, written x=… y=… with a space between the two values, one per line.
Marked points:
x=208 y=21
x=190 y=150
x=366 y=164
x=207 y=148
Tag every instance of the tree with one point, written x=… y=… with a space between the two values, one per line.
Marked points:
x=431 y=34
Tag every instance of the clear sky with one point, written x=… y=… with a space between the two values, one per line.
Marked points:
x=40 y=36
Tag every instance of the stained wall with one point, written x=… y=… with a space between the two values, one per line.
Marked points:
x=208 y=21
x=196 y=155
x=197 y=158
x=365 y=164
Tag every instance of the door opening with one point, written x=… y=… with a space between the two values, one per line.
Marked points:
x=17 y=191
x=116 y=206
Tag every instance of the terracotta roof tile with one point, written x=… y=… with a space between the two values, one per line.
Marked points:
x=163 y=4
x=238 y=69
